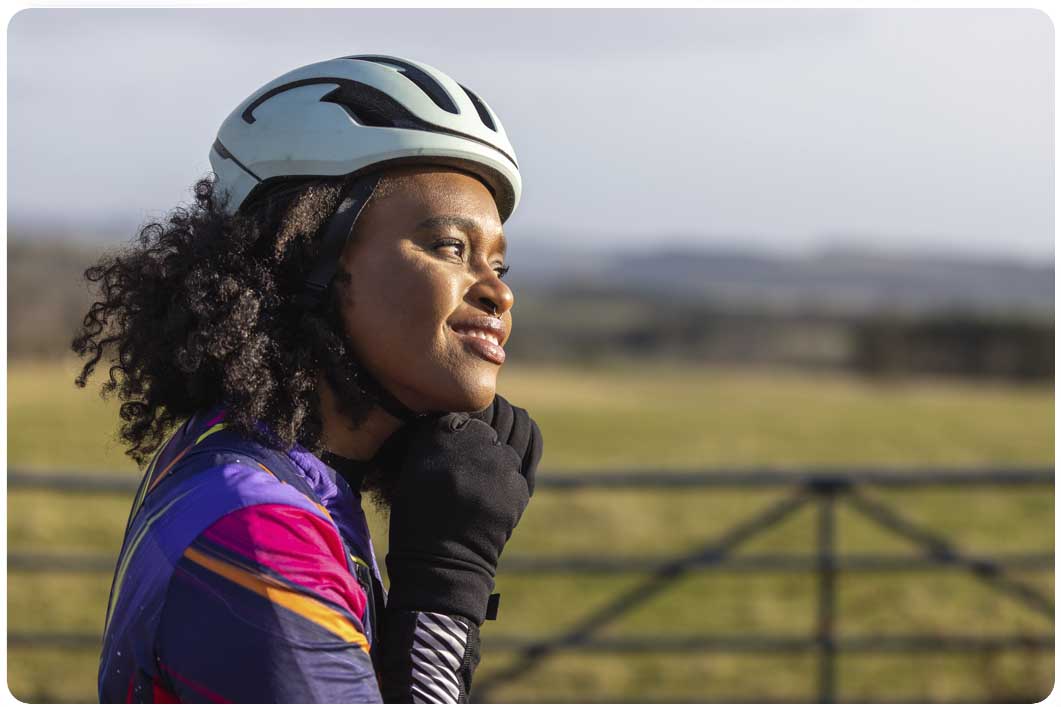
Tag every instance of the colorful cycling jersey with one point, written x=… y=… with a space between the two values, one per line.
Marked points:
x=269 y=587
x=246 y=575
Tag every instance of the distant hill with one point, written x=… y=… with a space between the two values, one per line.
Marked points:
x=833 y=309
x=839 y=281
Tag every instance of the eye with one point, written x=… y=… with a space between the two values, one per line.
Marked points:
x=501 y=271
x=453 y=246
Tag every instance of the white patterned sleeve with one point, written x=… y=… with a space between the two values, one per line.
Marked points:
x=427 y=657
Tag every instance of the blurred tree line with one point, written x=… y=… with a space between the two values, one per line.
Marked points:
x=580 y=324
x=960 y=345
x=48 y=296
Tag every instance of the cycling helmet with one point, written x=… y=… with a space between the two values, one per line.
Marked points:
x=356 y=114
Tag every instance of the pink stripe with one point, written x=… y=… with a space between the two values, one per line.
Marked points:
x=297 y=545
x=219 y=418
x=198 y=687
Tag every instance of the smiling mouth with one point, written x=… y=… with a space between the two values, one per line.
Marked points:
x=484 y=344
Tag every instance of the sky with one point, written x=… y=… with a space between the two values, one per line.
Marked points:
x=780 y=131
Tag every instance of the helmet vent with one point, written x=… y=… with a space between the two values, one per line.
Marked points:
x=423 y=80
x=480 y=108
x=369 y=106
x=365 y=104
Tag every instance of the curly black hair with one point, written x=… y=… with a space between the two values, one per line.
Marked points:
x=202 y=309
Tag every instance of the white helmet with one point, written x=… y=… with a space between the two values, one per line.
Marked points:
x=355 y=114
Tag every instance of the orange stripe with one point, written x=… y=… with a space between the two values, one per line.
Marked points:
x=266 y=470
x=216 y=428
x=169 y=466
x=149 y=474
x=302 y=605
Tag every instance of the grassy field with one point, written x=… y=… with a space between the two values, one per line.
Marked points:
x=618 y=416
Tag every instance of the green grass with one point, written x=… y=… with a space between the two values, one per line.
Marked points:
x=675 y=417
x=648 y=417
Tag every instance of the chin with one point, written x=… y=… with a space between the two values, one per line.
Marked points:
x=472 y=400
x=466 y=394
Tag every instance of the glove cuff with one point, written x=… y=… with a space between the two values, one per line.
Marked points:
x=415 y=586
x=427 y=657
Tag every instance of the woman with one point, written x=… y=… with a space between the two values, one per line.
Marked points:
x=328 y=318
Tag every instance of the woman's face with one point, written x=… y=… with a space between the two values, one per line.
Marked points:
x=425 y=264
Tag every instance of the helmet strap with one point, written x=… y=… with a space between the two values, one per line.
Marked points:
x=315 y=287
x=336 y=234
x=372 y=388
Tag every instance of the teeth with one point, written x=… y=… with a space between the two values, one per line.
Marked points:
x=478 y=334
x=484 y=336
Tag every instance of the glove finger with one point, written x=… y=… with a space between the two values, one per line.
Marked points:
x=532 y=456
x=504 y=419
x=477 y=431
x=520 y=437
x=455 y=420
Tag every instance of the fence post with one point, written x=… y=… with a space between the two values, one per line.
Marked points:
x=826 y=591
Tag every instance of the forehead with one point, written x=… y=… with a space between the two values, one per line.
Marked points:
x=424 y=199
x=439 y=188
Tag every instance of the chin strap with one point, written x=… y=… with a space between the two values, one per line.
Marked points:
x=336 y=234
x=368 y=385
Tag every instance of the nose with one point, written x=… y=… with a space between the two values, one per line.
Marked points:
x=492 y=294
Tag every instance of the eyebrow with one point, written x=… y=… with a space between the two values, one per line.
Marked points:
x=462 y=223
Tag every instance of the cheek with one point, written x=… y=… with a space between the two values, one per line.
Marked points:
x=395 y=309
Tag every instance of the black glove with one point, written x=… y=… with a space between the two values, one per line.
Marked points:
x=463 y=484
x=515 y=428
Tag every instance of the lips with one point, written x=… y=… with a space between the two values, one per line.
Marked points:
x=482 y=336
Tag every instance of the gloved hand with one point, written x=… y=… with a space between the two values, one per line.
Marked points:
x=515 y=428
x=463 y=483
